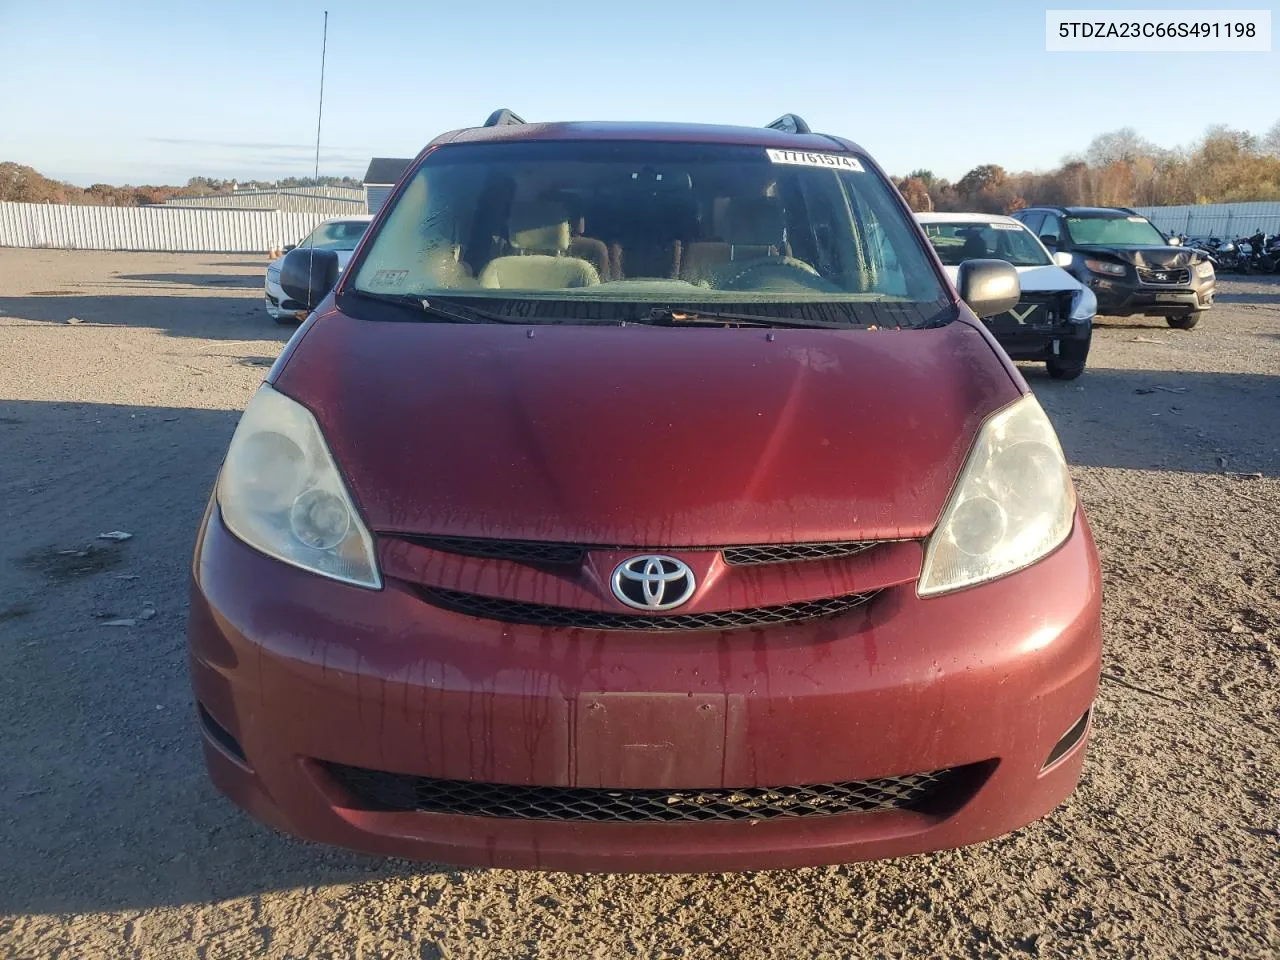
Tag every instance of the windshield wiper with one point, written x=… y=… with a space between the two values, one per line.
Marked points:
x=693 y=317
x=445 y=313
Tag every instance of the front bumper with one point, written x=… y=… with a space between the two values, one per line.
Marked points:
x=1023 y=343
x=293 y=672
x=278 y=305
x=1125 y=296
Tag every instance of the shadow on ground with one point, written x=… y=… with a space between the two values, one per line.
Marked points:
x=210 y=316
x=1165 y=419
x=232 y=280
x=1250 y=297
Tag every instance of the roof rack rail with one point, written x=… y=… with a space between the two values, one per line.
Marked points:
x=790 y=123
x=502 y=118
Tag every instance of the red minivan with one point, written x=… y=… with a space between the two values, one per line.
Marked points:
x=644 y=497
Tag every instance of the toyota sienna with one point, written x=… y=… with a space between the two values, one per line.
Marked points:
x=644 y=497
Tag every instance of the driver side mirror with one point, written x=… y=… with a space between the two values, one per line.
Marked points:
x=308 y=275
x=1174 y=241
x=1050 y=240
x=989 y=287
x=292 y=246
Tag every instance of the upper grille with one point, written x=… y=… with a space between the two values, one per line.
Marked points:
x=379 y=790
x=1171 y=277
x=520 y=551
x=790 y=552
x=538 y=614
x=571 y=554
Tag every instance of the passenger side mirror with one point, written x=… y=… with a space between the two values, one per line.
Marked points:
x=308 y=275
x=989 y=287
x=1062 y=258
x=1174 y=241
x=1050 y=240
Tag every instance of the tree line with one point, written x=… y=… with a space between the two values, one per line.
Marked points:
x=1118 y=169
x=25 y=185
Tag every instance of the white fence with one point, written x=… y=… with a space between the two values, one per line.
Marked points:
x=1224 y=220
x=167 y=229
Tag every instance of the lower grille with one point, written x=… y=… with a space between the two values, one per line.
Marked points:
x=379 y=790
x=1172 y=277
x=538 y=614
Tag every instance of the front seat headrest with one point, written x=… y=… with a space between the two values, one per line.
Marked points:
x=754 y=222
x=975 y=247
x=538 y=226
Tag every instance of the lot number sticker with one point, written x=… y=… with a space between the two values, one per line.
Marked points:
x=834 y=161
x=389 y=278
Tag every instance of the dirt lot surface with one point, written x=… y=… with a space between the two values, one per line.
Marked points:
x=112 y=842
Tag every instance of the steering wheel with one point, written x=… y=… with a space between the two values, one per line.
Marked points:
x=772 y=274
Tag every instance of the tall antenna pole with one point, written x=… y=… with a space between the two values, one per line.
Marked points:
x=324 y=47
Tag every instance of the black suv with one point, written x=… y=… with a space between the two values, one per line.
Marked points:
x=1129 y=264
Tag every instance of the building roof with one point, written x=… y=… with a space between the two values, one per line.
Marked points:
x=385 y=171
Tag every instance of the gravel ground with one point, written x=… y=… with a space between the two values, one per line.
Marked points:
x=113 y=843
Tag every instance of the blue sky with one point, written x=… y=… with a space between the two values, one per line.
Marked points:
x=156 y=92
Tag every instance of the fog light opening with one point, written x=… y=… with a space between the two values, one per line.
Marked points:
x=1069 y=740
x=221 y=736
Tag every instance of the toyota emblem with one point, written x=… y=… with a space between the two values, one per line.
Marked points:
x=653 y=582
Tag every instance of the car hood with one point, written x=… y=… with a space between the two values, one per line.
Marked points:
x=1156 y=257
x=647 y=436
x=1046 y=278
x=344 y=257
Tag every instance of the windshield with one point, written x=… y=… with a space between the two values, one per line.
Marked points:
x=1114 y=231
x=336 y=235
x=960 y=240
x=647 y=223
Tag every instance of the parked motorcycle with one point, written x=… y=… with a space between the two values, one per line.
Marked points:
x=1273 y=252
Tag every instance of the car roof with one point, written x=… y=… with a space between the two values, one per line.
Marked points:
x=351 y=218
x=1089 y=211
x=965 y=218
x=657 y=132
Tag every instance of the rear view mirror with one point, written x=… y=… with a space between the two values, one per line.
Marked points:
x=1050 y=240
x=1062 y=258
x=989 y=287
x=307 y=275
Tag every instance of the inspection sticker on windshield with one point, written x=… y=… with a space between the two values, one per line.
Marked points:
x=389 y=278
x=1005 y=226
x=836 y=161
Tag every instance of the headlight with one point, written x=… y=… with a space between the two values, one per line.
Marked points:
x=1013 y=503
x=281 y=493
x=1204 y=270
x=1084 y=304
x=1102 y=266
x=273 y=274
